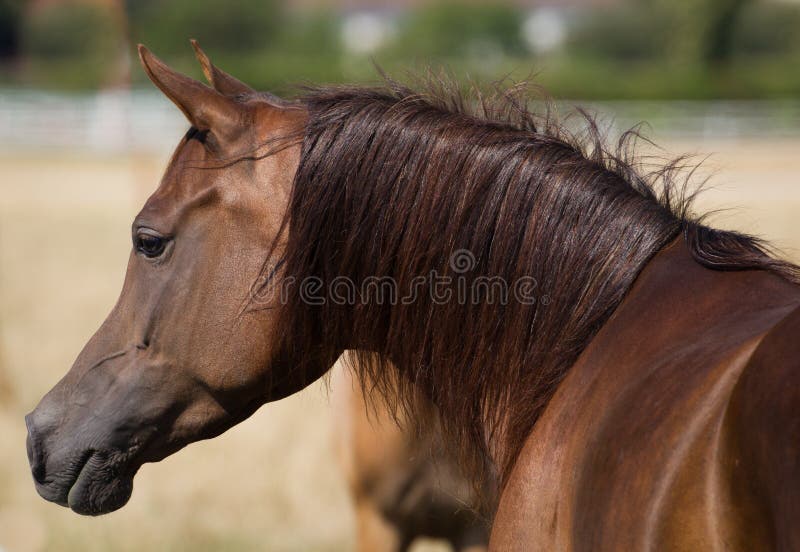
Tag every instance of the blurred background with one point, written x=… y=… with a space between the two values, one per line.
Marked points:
x=84 y=137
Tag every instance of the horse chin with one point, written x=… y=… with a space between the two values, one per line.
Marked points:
x=99 y=490
x=101 y=486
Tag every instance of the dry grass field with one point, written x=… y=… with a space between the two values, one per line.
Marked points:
x=270 y=483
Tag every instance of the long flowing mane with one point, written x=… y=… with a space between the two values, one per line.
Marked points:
x=394 y=182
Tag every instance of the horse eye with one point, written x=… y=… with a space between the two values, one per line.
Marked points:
x=149 y=245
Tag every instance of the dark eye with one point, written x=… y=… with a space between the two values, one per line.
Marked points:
x=149 y=245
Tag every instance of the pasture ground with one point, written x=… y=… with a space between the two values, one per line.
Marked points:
x=271 y=483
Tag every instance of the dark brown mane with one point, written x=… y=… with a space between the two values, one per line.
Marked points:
x=393 y=182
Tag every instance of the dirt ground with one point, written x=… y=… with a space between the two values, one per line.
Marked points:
x=270 y=483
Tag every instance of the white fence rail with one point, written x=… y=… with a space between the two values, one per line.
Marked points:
x=123 y=121
x=114 y=121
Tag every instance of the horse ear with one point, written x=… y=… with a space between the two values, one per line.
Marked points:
x=216 y=77
x=205 y=108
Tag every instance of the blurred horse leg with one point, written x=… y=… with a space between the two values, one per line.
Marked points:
x=364 y=454
x=375 y=533
x=474 y=541
x=404 y=484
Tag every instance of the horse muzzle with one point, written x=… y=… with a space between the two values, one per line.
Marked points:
x=90 y=480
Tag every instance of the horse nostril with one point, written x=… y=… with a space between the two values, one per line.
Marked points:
x=33 y=447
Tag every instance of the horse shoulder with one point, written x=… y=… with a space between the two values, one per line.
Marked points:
x=762 y=444
x=625 y=455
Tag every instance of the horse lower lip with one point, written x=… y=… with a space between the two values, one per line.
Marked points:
x=71 y=500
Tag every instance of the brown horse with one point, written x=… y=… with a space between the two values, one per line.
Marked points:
x=627 y=371
x=403 y=481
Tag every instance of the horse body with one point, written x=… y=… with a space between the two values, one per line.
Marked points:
x=641 y=447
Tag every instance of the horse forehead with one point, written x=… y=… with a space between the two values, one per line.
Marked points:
x=275 y=119
x=193 y=173
x=191 y=170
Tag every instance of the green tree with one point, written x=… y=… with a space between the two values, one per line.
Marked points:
x=768 y=29
x=74 y=45
x=10 y=27
x=701 y=31
x=625 y=33
x=452 y=29
x=220 y=26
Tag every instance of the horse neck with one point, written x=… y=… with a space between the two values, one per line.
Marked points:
x=401 y=205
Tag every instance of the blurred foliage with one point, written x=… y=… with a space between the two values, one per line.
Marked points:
x=452 y=29
x=232 y=25
x=10 y=22
x=700 y=31
x=634 y=49
x=767 y=30
x=72 y=45
x=631 y=33
x=613 y=80
x=257 y=40
x=698 y=49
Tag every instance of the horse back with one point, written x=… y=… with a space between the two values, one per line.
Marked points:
x=634 y=451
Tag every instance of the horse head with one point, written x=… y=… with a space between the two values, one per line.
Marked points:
x=183 y=355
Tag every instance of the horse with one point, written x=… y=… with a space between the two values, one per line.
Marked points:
x=403 y=482
x=627 y=371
